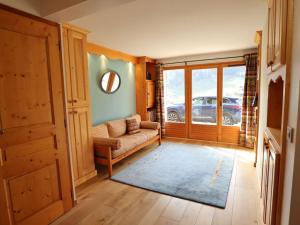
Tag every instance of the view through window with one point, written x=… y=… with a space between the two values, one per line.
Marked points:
x=233 y=90
x=204 y=96
x=174 y=93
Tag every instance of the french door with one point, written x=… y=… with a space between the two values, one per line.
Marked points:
x=204 y=98
x=204 y=102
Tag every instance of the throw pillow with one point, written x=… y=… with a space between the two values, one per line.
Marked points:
x=132 y=126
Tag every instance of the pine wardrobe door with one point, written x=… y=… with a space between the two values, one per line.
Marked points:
x=35 y=181
x=84 y=145
x=78 y=68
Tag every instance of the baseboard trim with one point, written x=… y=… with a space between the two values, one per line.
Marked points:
x=213 y=143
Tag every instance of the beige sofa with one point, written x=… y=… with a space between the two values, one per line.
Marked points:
x=112 y=143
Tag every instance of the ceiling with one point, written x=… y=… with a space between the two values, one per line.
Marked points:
x=161 y=28
x=168 y=28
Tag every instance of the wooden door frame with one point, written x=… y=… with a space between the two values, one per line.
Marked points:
x=188 y=96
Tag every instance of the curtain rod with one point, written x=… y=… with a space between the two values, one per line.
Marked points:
x=199 y=60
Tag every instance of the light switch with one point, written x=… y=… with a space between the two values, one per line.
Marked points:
x=290 y=134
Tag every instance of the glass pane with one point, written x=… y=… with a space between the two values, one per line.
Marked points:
x=204 y=96
x=233 y=90
x=174 y=95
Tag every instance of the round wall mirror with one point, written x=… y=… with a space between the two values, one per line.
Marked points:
x=110 y=82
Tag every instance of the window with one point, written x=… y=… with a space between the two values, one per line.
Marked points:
x=204 y=88
x=233 y=90
x=174 y=89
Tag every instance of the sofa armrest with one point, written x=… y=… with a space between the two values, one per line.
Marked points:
x=150 y=125
x=113 y=143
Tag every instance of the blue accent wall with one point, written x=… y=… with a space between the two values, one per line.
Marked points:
x=120 y=104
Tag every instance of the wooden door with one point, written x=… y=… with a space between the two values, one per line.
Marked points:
x=72 y=143
x=67 y=68
x=83 y=143
x=265 y=175
x=273 y=169
x=209 y=112
x=78 y=68
x=277 y=17
x=280 y=17
x=271 y=28
x=203 y=111
x=35 y=185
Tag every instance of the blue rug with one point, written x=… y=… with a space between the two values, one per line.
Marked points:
x=185 y=171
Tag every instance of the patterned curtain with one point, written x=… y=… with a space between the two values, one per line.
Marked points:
x=247 y=133
x=160 y=108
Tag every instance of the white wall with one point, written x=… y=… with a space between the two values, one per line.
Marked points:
x=291 y=193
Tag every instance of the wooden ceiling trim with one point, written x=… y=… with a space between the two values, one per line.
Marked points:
x=110 y=53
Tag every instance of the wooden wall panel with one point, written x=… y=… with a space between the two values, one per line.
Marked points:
x=84 y=142
x=26 y=189
x=230 y=134
x=176 y=130
x=78 y=68
x=20 y=109
x=20 y=150
x=203 y=132
x=110 y=53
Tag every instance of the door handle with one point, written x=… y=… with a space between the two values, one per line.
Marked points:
x=2 y=131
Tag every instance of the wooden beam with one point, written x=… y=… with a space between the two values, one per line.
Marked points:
x=110 y=53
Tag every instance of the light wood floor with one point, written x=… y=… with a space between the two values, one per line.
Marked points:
x=102 y=201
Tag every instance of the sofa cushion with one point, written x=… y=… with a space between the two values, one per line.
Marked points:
x=149 y=133
x=132 y=126
x=100 y=131
x=134 y=131
x=116 y=128
x=150 y=125
x=137 y=117
x=128 y=142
